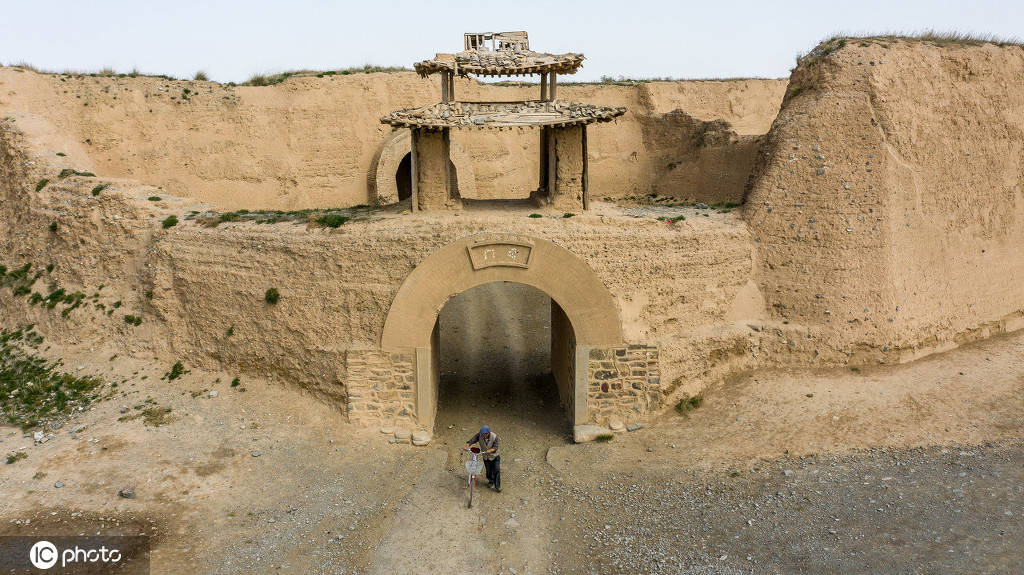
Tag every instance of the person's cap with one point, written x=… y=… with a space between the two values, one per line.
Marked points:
x=485 y=429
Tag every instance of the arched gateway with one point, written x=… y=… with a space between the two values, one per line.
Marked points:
x=584 y=313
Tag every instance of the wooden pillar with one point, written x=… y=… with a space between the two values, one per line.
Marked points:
x=446 y=139
x=413 y=162
x=543 y=184
x=451 y=86
x=551 y=87
x=444 y=86
x=543 y=86
x=586 y=177
x=552 y=164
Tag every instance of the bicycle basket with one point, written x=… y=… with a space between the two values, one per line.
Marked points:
x=474 y=467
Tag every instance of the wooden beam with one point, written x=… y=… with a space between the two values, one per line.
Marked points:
x=444 y=86
x=543 y=87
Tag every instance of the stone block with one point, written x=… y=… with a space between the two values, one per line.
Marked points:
x=584 y=433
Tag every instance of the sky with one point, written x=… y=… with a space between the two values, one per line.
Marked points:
x=232 y=40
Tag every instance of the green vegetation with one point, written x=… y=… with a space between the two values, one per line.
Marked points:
x=170 y=222
x=945 y=39
x=149 y=294
x=324 y=217
x=133 y=320
x=42 y=184
x=235 y=382
x=33 y=389
x=272 y=296
x=604 y=438
x=15 y=457
x=61 y=154
x=154 y=198
x=53 y=227
x=18 y=280
x=568 y=215
x=156 y=416
x=332 y=220
x=152 y=414
x=66 y=172
x=535 y=215
x=273 y=79
x=177 y=370
x=96 y=191
x=688 y=404
x=201 y=76
x=230 y=331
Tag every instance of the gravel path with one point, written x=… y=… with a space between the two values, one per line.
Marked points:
x=778 y=472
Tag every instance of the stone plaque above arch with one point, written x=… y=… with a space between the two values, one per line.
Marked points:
x=498 y=250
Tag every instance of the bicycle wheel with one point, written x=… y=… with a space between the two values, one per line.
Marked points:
x=472 y=483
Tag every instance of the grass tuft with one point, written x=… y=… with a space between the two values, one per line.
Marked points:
x=688 y=404
x=177 y=370
x=34 y=390
x=170 y=222
x=332 y=220
x=604 y=438
x=272 y=296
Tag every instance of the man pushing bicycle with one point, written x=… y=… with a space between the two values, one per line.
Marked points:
x=488 y=441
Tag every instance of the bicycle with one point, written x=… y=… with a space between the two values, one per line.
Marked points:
x=473 y=467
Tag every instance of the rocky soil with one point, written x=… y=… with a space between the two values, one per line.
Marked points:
x=908 y=469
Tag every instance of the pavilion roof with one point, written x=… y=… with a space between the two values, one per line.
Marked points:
x=501 y=63
x=501 y=115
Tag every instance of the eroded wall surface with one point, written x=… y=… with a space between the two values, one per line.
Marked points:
x=311 y=142
x=888 y=210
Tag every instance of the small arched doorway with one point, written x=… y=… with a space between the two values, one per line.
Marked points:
x=389 y=179
x=403 y=178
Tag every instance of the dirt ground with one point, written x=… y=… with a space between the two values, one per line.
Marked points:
x=900 y=469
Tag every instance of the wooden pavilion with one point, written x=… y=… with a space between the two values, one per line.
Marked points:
x=563 y=180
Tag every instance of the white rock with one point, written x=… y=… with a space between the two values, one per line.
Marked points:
x=387 y=430
x=212 y=394
x=584 y=433
x=421 y=437
x=403 y=435
x=616 y=424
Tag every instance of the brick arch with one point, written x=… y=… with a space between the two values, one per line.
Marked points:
x=584 y=313
x=461 y=265
x=381 y=177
